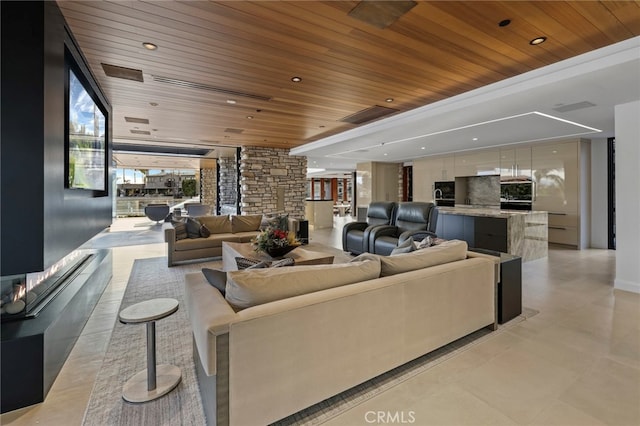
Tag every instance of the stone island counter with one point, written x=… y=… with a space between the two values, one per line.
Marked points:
x=518 y=232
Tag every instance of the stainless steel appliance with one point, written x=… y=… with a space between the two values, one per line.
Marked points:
x=516 y=195
x=444 y=193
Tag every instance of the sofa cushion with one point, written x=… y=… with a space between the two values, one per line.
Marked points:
x=216 y=278
x=246 y=223
x=193 y=228
x=214 y=240
x=405 y=247
x=254 y=287
x=449 y=251
x=216 y=224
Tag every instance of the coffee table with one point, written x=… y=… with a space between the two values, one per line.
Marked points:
x=301 y=256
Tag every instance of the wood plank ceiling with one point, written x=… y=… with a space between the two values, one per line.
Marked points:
x=248 y=52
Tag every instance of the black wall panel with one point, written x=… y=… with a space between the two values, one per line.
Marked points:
x=40 y=220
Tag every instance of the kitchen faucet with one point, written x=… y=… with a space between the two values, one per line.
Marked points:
x=435 y=193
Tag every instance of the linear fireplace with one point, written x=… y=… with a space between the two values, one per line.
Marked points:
x=42 y=316
x=25 y=295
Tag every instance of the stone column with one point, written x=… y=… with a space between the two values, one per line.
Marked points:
x=272 y=181
x=208 y=187
x=227 y=186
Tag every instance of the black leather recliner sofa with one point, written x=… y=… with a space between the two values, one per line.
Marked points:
x=412 y=219
x=355 y=235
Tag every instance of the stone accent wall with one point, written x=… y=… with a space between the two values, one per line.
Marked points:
x=266 y=173
x=228 y=181
x=208 y=187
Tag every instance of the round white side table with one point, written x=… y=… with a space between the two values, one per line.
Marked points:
x=155 y=381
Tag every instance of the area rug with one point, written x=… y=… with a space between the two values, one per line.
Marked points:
x=125 y=356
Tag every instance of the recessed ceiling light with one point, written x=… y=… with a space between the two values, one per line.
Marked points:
x=321 y=126
x=296 y=79
x=250 y=117
x=537 y=40
x=475 y=139
x=422 y=147
x=504 y=22
x=149 y=46
x=385 y=154
x=231 y=101
x=389 y=100
x=153 y=103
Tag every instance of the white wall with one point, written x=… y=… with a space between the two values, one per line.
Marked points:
x=599 y=198
x=628 y=196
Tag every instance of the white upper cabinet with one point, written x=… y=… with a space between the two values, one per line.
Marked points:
x=428 y=170
x=555 y=173
x=479 y=163
x=515 y=164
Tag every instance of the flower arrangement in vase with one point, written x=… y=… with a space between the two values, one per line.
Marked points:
x=275 y=242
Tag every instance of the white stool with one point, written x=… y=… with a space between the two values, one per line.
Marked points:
x=153 y=382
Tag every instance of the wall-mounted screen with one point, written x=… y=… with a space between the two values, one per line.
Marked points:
x=87 y=139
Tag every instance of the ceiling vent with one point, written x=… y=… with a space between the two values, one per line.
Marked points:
x=122 y=72
x=136 y=120
x=574 y=107
x=369 y=114
x=200 y=86
x=141 y=132
x=230 y=130
x=381 y=14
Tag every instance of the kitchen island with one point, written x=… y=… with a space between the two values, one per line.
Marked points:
x=518 y=232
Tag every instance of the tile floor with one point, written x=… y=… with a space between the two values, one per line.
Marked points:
x=577 y=362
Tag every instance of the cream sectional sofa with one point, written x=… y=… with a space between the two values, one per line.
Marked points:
x=289 y=349
x=241 y=229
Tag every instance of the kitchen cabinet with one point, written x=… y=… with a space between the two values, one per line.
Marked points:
x=376 y=182
x=478 y=163
x=556 y=172
x=481 y=232
x=428 y=170
x=515 y=163
x=520 y=233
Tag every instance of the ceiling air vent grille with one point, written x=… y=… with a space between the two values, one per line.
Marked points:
x=573 y=107
x=381 y=14
x=230 y=130
x=122 y=72
x=200 y=86
x=141 y=132
x=136 y=120
x=369 y=114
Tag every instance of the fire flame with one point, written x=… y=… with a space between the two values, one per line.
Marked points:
x=33 y=279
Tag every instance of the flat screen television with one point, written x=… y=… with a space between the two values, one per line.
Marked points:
x=86 y=139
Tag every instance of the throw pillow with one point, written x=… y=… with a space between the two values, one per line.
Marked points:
x=193 y=228
x=287 y=261
x=204 y=231
x=181 y=230
x=426 y=242
x=405 y=247
x=244 y=263
x=216 y=278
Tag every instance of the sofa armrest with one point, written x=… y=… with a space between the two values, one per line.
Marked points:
x=494 y=259
x=210 y=316
x=170 y=239
x=380 y=231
